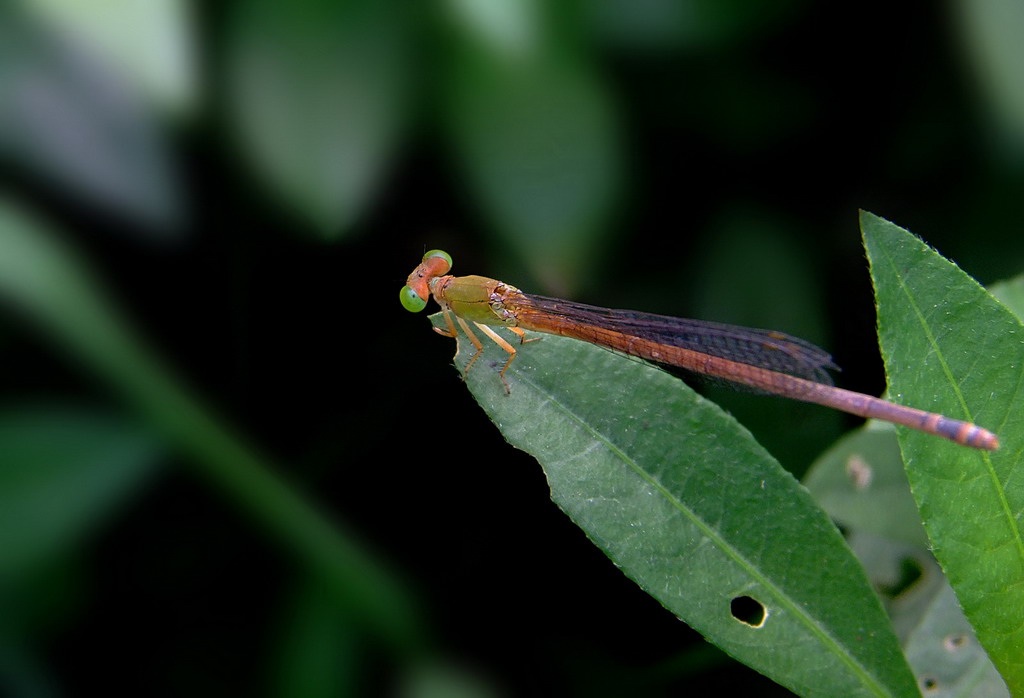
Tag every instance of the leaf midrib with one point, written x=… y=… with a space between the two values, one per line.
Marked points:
x=986 y=456
x=867 y=678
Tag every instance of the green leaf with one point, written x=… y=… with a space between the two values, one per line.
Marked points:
x=905 y=576
x=149 y=42
x=69 y=119
x=1011 y=294
x=991 y=36
x=945 y=654
x=319 y=93
x=861 y=483
x=62 y=472
x=950 y=348
x=937 y=639
x=534 y=127
x=689 y=506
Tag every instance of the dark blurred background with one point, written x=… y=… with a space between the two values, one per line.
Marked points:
x=232 y=464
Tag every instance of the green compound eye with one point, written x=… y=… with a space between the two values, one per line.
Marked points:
x=439 y=253
x=411 y=300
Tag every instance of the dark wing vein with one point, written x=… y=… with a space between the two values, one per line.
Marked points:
x=767 y=349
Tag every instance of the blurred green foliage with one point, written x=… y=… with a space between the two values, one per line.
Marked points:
x=207 y=210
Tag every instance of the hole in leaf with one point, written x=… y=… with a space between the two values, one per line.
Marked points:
x=748 y=610
x=952 y=643
x=910 y=572
x=929 y=684
x=860 y=472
